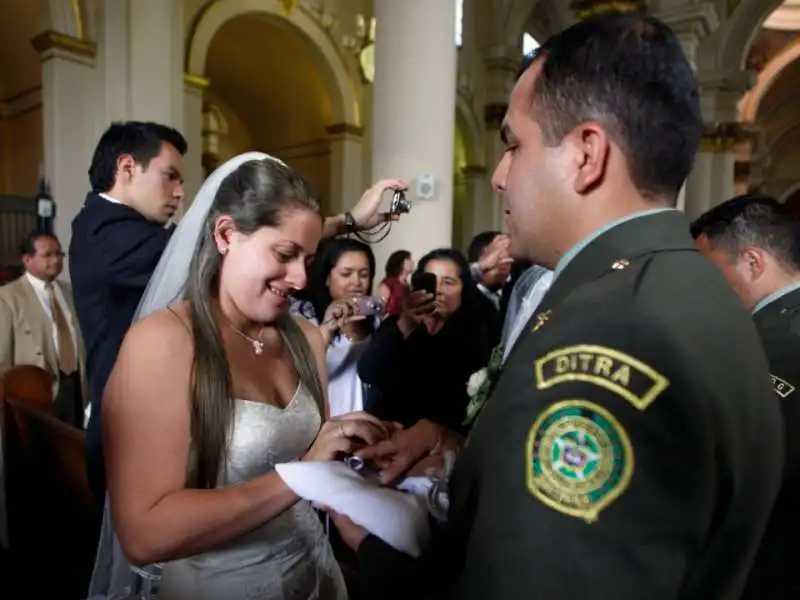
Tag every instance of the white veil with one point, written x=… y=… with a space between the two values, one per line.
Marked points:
x=113 y=577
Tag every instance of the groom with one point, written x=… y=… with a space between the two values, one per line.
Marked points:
x=119 y=235
x=614 y=458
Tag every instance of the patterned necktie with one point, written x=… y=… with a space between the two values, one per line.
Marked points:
x=67 y=362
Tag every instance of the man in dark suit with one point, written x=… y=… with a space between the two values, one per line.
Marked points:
x=755 y=242
x=117 y=240
x=631 y=447
x=490 y=267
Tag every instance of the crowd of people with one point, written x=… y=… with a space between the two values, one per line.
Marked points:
x=603 y=397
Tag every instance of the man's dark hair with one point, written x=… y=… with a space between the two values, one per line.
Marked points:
x=28 y=245
x=479 y=243
x=140 y=140
x=628 y=73
x=752 y=220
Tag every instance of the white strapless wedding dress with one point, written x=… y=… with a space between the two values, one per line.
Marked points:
x=288 y=558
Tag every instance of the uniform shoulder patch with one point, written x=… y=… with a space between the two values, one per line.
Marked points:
x=611 y=369
x=579 y=459
x=781 y=387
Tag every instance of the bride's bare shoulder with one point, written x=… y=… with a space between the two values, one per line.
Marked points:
x=168 y=328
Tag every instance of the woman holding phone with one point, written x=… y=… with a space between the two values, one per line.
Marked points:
x=418 y=363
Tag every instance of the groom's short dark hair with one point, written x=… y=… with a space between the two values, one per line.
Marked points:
x=141 y=140
x=629 y=73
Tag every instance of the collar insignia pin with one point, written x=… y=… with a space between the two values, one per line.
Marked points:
x=541 y=319
x=619 y=265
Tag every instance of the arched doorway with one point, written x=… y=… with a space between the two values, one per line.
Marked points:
x=278 y=85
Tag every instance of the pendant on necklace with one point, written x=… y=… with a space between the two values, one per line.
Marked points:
x=258 y=347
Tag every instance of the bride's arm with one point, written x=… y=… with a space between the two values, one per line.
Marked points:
x=146 y=425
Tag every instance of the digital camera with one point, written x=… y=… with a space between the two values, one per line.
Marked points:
x=400 y=204
x=369 y=306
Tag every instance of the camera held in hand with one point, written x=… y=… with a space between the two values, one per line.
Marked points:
x=369 y=306
x=400 y=204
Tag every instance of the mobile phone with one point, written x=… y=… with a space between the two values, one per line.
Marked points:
x=421 y=280
x=369 y=306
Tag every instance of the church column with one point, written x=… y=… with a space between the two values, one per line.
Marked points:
x=347 y=181
x=69 y=95
x=156 y=61
x=712 y=179
x=413 y=116
x=192 y=130
x=502 y=64
x=478 y=204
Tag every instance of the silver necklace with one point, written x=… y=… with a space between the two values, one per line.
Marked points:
x=258 y=345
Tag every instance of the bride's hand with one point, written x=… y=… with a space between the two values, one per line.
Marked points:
x=346 y=434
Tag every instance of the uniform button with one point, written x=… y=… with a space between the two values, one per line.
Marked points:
x=38 y=353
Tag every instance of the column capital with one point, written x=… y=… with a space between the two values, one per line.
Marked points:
x=494 y=113
x=725 y=137
x=588 y=8
x=196 y=81
x=49 y=44
x=344 y=130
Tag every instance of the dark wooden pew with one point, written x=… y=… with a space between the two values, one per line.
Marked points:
x=53 y=531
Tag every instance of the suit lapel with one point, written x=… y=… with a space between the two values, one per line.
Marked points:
x=38 y=321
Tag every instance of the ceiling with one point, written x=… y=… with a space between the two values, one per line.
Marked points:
x=267 y=73
x=20 y=70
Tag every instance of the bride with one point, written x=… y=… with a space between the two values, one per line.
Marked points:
x=210 y=392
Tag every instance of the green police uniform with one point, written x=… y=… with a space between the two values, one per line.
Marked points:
x=775 y=575
x=631 y=449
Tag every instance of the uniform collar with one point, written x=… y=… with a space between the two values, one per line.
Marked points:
x=785 y=299
x=616 y=245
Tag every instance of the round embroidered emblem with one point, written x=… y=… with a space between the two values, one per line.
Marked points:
x=580 y=459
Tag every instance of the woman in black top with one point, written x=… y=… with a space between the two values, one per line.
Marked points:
x=418 y=368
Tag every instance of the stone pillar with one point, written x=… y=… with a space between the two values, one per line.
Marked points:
x=413 y=116
x=713 y=179
x=347 y=182
x=114 y=67
x=69 y=106
x=502 y=65
x=479 y=203
x=156 y=61
x=192 y=130
x=493 y=209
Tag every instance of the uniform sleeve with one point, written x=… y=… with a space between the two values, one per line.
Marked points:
x=595 y=462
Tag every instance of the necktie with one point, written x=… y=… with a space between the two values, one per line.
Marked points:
x=67 y=362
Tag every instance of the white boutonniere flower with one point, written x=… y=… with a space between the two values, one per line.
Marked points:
x=481 y=383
